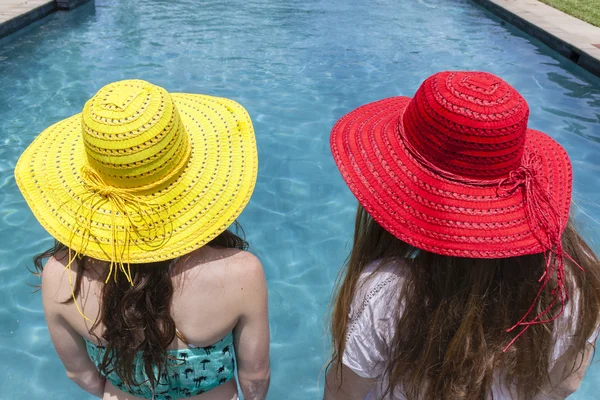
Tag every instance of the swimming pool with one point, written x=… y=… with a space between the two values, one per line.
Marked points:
x=296 y=66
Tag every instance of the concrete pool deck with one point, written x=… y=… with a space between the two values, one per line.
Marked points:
x=571 y=37
x=17 y=14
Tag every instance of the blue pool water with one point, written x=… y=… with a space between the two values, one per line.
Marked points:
x=297 y=66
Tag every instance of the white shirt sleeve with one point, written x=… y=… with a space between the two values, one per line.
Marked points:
x=371 y=325
x=565 y=331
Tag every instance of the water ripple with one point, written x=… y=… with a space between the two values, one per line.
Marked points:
x=297 y=66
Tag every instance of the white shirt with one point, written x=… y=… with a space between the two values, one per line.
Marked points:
x=372 y=324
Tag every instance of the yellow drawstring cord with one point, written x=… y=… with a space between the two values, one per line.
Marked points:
x=72 y=257
x=136 y=212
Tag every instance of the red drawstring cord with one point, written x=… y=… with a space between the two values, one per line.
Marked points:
x=547 y=228
x=542 y=218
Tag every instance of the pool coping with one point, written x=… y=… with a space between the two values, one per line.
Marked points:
x=571 y=37
x=15 y=17
x=26 y=14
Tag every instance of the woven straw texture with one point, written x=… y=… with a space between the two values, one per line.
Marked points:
x=141 y=175
x=441 y=171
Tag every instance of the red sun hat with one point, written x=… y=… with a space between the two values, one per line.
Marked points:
x=455 y=170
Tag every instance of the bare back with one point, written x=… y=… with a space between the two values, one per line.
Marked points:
x=216 y=291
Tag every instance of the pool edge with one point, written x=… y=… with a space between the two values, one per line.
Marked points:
x=572 y=38
x=28 y=15
x=26 y=18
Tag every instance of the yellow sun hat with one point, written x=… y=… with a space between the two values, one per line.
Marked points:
x=141 y=175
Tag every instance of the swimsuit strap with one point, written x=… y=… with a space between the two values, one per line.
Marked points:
x=183 y=339
x=179 y=335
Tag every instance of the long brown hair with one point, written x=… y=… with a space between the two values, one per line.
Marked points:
x=449 y=339
x=136 y=317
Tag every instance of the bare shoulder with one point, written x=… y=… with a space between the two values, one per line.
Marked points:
x=221 y=264
x=244 y=269
x=58 y=277
x=246 y=264
x=55 y=272
x=55 y=283
x=248 y=284
x=232 y=277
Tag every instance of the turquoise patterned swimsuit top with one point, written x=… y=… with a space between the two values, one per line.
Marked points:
x=193 y=371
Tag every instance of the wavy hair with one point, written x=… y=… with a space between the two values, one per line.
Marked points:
x=136 y=317
x=450 y=336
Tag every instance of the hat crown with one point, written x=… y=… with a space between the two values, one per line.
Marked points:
x=471 y=124
x=133 y=135
x=121 y=99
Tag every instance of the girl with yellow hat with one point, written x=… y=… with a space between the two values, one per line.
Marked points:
x=147 y=294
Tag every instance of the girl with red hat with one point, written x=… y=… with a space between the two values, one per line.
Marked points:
x=467 y=278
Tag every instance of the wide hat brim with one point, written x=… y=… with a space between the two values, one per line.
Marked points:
x=431 y=212
x=186 y=213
